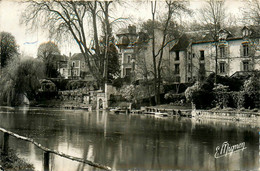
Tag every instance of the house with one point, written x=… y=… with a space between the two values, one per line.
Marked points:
x=237 y=51
x=127 y=51
x=61 y=63
x=135 y=54
x=77 y=68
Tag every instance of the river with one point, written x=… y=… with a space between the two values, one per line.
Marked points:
x=121 y=141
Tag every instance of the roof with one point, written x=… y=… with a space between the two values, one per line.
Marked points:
x=77 y=56
x=61 y=57
x=182 y=43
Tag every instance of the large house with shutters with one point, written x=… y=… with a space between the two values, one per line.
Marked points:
x=135 y=54
x=238 y=51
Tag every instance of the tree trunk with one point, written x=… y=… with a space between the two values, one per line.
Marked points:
x=153 y=5
x=216 y=62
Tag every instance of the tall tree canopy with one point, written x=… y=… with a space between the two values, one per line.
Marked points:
x=70 y=19
x=251 y=12
x=48 y=52
x=8 y=47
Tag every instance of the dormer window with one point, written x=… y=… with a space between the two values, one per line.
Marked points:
x=177 y=53
x=202 y=55
x=245 y=32
x=223 y=34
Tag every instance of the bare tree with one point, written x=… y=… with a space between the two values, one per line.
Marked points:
x=173 y=9
x=251 y=12
x=213 y=15
x=70 y=18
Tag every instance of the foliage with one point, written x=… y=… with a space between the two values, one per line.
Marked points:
x=171 y=96
x=234 y=84
x=113 y=63
x=75 y=84
x=221 y=96
x=191 y=90
x=118 y=82
x=8 y=47
x=47 y=53
x=251 y=89
x=74 y=20
x=21 y=77
x=252 y=85
x=127 y=92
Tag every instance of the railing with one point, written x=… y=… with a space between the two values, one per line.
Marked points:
x=47 y=151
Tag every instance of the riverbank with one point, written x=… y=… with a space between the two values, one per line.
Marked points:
x=13 y=162
x=244 y=115
x=229 y=114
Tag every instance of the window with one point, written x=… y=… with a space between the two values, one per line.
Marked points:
x=73 y=64
x=177 y=53
x=177 y=69
x=178 y=79
x=245 y=32
x=222 y=68
x=128 y=59
x=189 y=67
x=75 y=72
x=202 y=67
x=189 y=56
x=193 y=55
x=128 y=71
x=245 y=49
x=245 y=66
x=222 y=51
x=202 y=57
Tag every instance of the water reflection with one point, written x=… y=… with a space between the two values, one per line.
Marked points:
x=129 y=141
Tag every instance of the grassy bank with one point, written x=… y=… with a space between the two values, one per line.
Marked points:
x=12 y=162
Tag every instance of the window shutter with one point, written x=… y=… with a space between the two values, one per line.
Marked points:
x=251 y=50
x=226 y=68
x=241 y=51
x=227 y=51
x=250 y=65
x=241 y=66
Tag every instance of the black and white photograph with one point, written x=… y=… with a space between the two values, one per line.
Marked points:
x=129 y=85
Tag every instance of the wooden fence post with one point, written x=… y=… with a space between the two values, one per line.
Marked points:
x=5 y=144
x=46 y=160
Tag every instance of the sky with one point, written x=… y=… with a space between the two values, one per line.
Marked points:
x=28 y=42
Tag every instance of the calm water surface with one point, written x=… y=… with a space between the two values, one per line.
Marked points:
x=129 y=141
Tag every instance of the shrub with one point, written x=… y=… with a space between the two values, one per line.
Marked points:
x=191 y=90
x=171 y=96
x=221 y=95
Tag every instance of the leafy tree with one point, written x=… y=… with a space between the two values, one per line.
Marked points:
x=20 y=77
x=47 y=53
x=251 y=90
x=8 y=47
x=113 y=63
